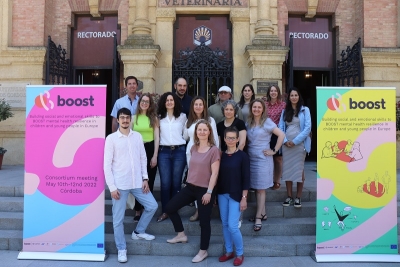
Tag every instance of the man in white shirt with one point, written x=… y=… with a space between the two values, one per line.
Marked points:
x=125 y=169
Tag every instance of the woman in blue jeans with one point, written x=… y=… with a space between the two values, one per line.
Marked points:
x=172 y=152
x=233 y=184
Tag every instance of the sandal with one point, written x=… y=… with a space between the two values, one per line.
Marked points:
x=276 y=186
x=257 y=226
x=263 y=218
x=162 y=217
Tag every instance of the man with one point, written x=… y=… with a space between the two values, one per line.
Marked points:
x=129 y=101
x=125 y=169
x=180 y=90
x=215 y=111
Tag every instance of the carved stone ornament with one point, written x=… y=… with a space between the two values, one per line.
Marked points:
x=240 y=13
x=165 y=13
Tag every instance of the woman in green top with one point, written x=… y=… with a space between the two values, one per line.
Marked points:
x=146 y=123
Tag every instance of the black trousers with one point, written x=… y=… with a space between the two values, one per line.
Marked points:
x=187 y=195
x=151 y=172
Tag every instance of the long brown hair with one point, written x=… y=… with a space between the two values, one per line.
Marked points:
x=192 y=118
x=210 y=136
x=279 y=98
x=264 y=115
x=150 y=112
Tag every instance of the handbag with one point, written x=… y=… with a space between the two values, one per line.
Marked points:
x=130 y=202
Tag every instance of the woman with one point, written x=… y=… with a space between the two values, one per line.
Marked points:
x=296 y=123
x=197 y=112
x=202 y=177
x=275 y=105
x=172 y=152
x=233 y=184
x=146 y=123
x=247 y=95
x=229 y=109
x=259 y=131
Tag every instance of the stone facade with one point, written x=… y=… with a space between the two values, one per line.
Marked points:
x=258 y=41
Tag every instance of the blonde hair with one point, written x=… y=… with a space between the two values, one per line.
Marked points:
x=210 y=136
x=264 y=115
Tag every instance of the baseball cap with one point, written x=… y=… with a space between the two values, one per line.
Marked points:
x=225 y=89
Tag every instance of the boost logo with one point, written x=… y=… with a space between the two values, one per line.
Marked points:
x=43 y=100
x=336 y=103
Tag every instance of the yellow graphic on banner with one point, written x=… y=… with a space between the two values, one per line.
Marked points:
x=356 y=185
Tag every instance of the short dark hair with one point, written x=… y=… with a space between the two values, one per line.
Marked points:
x=231 y=129
x=124 y=111
x=130 y=78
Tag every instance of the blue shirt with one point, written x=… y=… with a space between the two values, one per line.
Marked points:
x=125 y=102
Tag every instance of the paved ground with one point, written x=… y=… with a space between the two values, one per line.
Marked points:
x=9 y=259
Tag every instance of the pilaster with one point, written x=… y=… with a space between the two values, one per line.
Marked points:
x=240 y=19
x=141 y=61
x=165 y=18
x=381 y=67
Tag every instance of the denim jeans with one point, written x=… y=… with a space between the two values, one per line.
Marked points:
x=230 y=213
x=118 y=210
x=171 y=163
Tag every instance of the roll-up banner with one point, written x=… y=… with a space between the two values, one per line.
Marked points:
x=64 y=179
x=356 y=179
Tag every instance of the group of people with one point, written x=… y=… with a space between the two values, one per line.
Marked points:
x=228 y=149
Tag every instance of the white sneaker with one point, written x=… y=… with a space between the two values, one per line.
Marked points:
x=122 y=256
x=136 y=236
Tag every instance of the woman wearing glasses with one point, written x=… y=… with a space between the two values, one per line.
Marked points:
x=233 y=184
x=146 y=123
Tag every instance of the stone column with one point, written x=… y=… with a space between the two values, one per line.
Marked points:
x=264 y=24
x=139 y=53
x=141 y=24
x=266 y=54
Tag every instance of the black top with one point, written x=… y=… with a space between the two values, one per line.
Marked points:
x=238 y=123
x=234 y=174
x=185 y=102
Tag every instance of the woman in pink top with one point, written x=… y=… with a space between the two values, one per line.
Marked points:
x=275 y=105
x=202 y=177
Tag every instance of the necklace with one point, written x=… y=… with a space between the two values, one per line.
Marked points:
x=230 y=154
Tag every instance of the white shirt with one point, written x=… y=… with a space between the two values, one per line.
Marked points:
x=125 y=161
x=171 y=131
x=188 y=134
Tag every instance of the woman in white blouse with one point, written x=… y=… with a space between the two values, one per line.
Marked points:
x=197 y=112
x=172 y=152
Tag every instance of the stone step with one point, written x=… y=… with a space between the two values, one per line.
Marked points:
x=309 y=194
x=12 y=204
x=274 y=209
x=254 y=246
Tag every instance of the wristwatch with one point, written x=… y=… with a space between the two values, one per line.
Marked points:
x=209 y=191
x=145 y=179
x=273 y=150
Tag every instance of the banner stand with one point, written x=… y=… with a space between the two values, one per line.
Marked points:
x=62 y=256
x=355 y=257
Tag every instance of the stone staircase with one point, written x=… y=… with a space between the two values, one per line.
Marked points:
x=287 y=232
